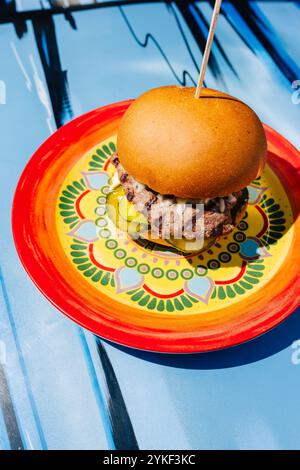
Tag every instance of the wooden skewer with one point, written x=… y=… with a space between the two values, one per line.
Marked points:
x=209 y=41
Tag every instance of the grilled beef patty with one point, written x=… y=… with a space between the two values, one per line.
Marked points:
x=221 y=214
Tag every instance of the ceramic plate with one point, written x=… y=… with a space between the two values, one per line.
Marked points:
x=133 y=293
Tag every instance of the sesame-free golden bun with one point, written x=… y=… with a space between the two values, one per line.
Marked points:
x=191 y=148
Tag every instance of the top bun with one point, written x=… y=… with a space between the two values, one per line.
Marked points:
x=191 y=148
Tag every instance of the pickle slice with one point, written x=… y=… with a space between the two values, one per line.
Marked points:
x=127 y=210
x=124 y=215
x=112 y=206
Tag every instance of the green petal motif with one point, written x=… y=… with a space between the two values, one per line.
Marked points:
x=99 y=158
x=67 y=202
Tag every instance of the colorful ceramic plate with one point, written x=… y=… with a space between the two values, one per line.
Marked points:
x=133 y=293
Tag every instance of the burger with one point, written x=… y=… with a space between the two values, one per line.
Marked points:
x=183 y=164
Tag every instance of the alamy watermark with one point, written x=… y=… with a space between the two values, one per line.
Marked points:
x=2 y=92
x=176 y=221
x=295 y=357
x=2 y=353
x=296 y=93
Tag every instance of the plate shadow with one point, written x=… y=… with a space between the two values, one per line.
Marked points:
x=266 y=345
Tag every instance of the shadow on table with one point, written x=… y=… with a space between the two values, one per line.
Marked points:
x=262 y=347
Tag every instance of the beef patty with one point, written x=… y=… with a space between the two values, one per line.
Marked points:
x=221 y=214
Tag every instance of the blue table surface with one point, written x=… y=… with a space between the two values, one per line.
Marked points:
x=60 y=386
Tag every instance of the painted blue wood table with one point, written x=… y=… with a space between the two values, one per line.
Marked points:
x=60 y=386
